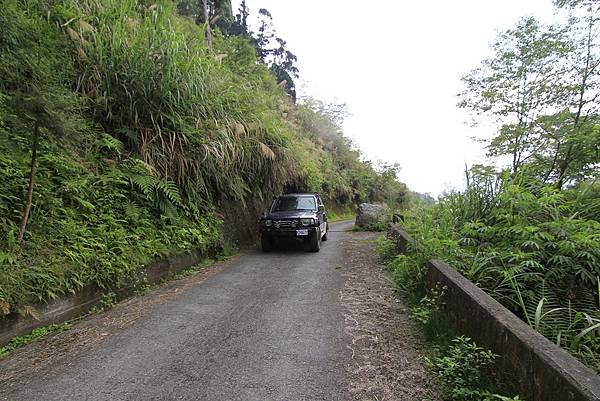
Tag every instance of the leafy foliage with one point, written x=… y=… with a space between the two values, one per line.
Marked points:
x=460 y=368
x=463 y=369
x=541 y=88
x=530 y=250
x=143 y=130
x=529 y=235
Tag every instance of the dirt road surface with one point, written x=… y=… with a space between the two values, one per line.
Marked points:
x=283 y=326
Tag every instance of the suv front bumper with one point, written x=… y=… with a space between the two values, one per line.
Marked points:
x=272 y=232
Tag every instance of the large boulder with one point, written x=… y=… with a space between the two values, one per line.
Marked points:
x=370 y=213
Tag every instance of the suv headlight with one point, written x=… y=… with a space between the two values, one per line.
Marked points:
x=267 y=223
x=307 y=222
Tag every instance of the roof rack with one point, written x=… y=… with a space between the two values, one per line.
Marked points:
x=300 y=193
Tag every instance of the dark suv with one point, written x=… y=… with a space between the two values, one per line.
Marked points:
x=295 y=216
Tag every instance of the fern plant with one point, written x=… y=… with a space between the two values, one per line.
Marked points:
x=530 y=250
x=164 y=194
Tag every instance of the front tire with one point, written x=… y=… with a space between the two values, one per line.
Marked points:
x=266 y=243
x=314 y=242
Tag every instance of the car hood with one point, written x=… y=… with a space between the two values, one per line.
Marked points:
x=291 y=214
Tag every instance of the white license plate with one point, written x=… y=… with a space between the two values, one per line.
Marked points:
x=301 y=232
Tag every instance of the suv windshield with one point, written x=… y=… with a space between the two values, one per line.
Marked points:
x=286 y=203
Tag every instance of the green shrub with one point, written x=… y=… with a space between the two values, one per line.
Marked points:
x=386 y=248
x=459 y=368
x=528 y=248
x=431 y=314
x=463 y=369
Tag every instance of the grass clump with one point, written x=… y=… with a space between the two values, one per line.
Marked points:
x=35 y=335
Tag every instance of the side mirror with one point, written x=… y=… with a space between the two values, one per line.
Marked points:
x=321 y=208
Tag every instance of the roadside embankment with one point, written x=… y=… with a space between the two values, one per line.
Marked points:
x=69 y=307
x=541 y=370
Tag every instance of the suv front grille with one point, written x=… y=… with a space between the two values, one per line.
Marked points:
x=285 y=223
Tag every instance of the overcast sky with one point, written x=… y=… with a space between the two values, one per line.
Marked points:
x=397 y=64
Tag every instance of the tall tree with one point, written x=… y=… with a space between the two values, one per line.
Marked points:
x=216 y=12
x=34 y=92
x=576 y=147
x=517 y=87
x=207 y=21
x=240 y=27
x=272 y=50
x=542 y=87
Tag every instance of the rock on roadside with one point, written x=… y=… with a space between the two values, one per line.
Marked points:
x=370 y=213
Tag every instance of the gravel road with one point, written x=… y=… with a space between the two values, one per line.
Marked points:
x=258 y=327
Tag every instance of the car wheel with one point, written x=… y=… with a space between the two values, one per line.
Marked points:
x=314 y=241
x=266 y=243
x=324 y=238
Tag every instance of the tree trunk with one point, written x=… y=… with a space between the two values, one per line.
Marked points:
x=29 y=197
x=208 y=28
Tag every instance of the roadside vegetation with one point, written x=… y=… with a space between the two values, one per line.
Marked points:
x=529 y=235
x=463 y=370
x=124 y=125
x=35 y=335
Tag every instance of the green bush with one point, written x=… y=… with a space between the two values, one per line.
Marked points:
x=528 y=248
x=459 y=369
x=463 y=369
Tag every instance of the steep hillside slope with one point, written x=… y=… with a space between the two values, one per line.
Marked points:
x=121 y=131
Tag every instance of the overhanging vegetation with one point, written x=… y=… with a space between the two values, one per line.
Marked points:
x=121 y=128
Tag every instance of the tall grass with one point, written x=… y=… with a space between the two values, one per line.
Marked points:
x=153 y=84
x=528 y=248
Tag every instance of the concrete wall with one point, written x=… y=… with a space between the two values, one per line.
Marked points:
x=240 y=228
x=69 y=307
x=541 y=371
x=400 y=238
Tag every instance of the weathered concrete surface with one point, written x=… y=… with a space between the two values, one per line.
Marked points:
x=57 y=311
x=543 y=371
x=400 y=237
x=69 y=307
x=266 y=327
x=370 y=213
x=240 y=222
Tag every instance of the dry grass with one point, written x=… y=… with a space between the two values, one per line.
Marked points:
x=386 y=363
